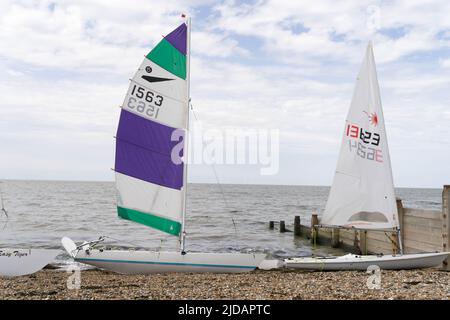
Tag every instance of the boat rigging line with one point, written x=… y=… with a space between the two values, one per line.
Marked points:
x=222 y=192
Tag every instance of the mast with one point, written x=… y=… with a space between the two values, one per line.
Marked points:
x=186 y=143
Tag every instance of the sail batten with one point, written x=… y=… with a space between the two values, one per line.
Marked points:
x=150 y=138
x=362 y=194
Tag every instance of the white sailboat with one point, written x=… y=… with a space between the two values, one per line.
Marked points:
x=362 y=194
x=151 y=177
x=20 y=262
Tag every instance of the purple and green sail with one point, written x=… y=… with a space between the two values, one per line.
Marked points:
x=149 y=182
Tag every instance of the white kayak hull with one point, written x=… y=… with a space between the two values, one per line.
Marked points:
x=20 y=262
x=360 y=262
x=147 y=262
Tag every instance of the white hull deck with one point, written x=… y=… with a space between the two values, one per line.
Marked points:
x=145 y=262
x=20 y=262
x=360 y=262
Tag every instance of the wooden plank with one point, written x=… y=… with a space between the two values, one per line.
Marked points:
x=418 y=218
x=379 y=250
x=325 y=232
x=409 y=249
x=385 y=246
x=422 y=222
x=434 y=238
x=348 y=242
x=347 y=234
x=380 y=236
x=424 y=247
x=425 y=242
x=426 y=227
x=379 y=240
x=421 y=213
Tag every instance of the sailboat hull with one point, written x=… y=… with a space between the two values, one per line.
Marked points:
x=356 y=262
x=147 y=262
x=20 y=262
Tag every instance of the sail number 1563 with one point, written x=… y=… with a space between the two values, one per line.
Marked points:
x=144 y=101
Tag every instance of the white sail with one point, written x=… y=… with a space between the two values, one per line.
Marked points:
x=151 y=186
x=362 y=193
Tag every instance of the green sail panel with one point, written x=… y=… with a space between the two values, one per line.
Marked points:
x=150 y=220
x=169 y=58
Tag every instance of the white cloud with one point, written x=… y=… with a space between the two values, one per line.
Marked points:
x=216 y=45
x=324 y=19
x=445 y=63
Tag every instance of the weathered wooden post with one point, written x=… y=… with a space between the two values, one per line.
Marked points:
x=335 y=238
x=282 y=226
x=314 y=220
x=297 y=228
x=363 y=241
x=314 y=230
x=271 y=225
x=356 y=241
x=401 y=214
x=446 y=223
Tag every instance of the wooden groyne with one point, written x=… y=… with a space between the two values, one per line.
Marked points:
x=422 y=231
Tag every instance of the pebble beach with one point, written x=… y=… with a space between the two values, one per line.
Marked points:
x=286 y=285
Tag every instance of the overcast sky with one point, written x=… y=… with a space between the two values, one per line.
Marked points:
x=287 y=65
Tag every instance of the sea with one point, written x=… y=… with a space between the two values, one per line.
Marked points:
x=220 y=218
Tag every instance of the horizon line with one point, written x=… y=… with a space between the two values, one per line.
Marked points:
x=199 y=182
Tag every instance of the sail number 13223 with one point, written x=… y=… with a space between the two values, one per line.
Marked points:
x=364 y=142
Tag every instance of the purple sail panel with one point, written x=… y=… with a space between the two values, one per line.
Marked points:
x=177 y=38
x=149 y=134
x=146 y=165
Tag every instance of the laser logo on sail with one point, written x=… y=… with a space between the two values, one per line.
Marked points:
x=373 y=118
